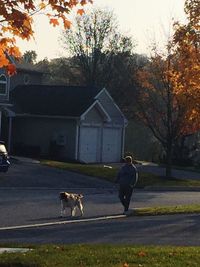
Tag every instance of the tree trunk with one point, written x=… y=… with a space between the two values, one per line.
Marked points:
x=168 y=171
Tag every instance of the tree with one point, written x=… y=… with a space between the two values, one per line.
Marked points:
x=16 y=20
x=29 y=57
x=123 y=80
x=158 y=107
x=60 y=71
x=168 y=103
x=94 y=40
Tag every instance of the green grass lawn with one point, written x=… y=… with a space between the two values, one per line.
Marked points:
x=163 y=210
x=103 y=256
x=145 y=179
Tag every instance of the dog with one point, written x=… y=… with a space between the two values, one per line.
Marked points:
x=72 y=201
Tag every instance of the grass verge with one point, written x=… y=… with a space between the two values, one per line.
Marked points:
x=103 y=255
x=165 y=210
x=109 y=174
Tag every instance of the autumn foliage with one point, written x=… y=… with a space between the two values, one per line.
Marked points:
x=173 y=79
x=16 y=20
x=169 y=103
x=186 y=76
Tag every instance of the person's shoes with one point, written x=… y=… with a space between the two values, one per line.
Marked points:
x=125 y=212
x=128 y=212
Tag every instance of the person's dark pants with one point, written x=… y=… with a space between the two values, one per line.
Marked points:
x=125 y=193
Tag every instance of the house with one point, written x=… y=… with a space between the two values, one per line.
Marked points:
x=26 y=74
x=4 y=95
x=70 y=122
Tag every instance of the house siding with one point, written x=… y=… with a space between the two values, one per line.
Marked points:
x=93 y=116
x=40 y=132
x=25 y=78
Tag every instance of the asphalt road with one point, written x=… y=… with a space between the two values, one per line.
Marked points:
x=29 y=198
x=150 y=230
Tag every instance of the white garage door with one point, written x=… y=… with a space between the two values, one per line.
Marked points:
x=89 y=144
x=112 y=143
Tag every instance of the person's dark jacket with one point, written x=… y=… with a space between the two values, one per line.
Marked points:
x=127 y=175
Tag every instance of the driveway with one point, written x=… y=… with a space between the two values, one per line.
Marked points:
x=30 y=174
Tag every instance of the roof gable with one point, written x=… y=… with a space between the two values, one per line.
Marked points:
x=53 y=100
x=100 y=108
x=110 y=106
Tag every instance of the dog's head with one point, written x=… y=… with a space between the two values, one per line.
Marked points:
x=78 y=199
x=79 y=196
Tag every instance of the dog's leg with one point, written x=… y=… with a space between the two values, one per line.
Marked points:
x=81 y=208
x=73 y=211
x=62 y=210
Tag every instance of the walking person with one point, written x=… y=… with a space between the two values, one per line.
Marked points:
x=127 y=178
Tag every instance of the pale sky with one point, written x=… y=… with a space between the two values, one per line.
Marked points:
x=145 y=20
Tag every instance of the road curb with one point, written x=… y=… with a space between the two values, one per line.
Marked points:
x=17 y=227
x=14 y=250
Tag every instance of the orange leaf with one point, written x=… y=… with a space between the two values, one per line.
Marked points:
x=42 y=5
x=27 y=23
x=3 y=60
x=54 y=22
x=67 y=24
x=80 y=12
x=14 y=51
x=11 y=69
x=83 y=2
x=142 y=254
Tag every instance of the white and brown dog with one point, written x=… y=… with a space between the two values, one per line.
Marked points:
x=72 y=201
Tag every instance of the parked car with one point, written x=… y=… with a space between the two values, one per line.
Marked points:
x=4 y=158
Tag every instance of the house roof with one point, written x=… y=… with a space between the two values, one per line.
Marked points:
x=29 y=68
x=25 y=66
x=52 y=100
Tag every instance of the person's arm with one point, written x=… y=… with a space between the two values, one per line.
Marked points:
x=135 y=176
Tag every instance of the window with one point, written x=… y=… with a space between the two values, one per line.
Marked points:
x=3 y=84
x=61 y=140
x=26 y=79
